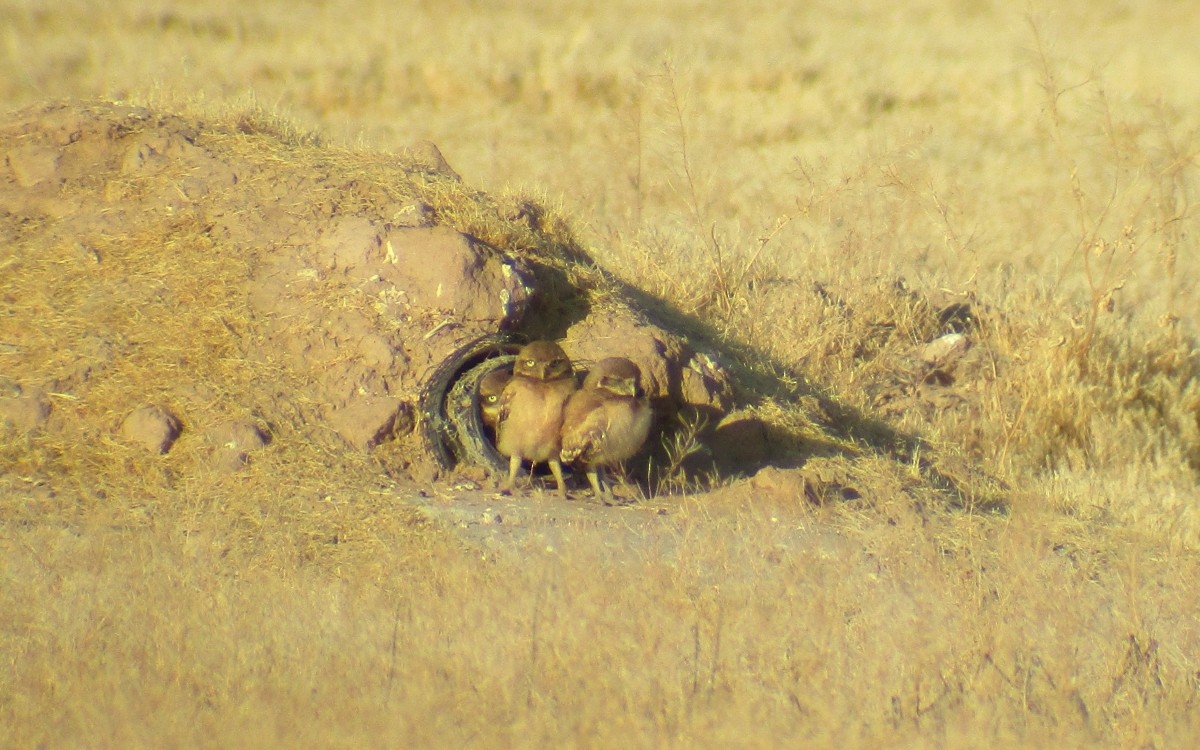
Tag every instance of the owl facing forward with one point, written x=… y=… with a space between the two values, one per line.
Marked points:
x=530 y=416
x=606 y=421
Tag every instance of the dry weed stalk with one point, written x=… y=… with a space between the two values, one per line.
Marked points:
x=679 y=445
x=1108 y=246
x=720 y=285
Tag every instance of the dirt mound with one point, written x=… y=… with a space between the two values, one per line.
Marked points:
x=220 y=291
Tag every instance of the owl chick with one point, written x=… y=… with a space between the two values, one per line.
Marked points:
x=490 y=388
x=606 y=421
x=529 y=422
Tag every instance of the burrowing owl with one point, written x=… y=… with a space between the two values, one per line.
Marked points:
x=531 y=409
x=490 y=388
x=606 y=421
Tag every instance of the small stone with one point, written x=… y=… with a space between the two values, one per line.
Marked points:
x=426 y=154
x=740 y=444
x=26 y=409
x=706 y=383
x=370 y=420
x=233 y=442
x=151 y=427
x=34 y=164
x=239 y=436
x=944 y=352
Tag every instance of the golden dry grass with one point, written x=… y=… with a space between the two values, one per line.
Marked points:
x=725 y=626
x=729 y=160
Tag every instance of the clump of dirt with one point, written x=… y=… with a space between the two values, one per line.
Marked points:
x=673 y=372
x=152 y=428
x=187 y=297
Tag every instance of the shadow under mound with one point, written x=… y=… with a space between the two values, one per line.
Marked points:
x=820 y=426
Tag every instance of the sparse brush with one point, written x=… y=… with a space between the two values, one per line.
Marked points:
x=820 y=295
x=678 y=445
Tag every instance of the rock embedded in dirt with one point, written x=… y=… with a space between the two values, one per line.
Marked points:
x=23 y=409
x=674 y=375
x=945 y=351
x=367 y=421
x=819 y=480
x=445 y=270
x=33 y=165
x=428 y=155
x=152 y=428
x=233 y=442
x=705 y=383
x=740 y=443
x=779 y=483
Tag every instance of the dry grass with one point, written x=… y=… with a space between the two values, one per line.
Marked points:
x=727 y=626
x=765 y=176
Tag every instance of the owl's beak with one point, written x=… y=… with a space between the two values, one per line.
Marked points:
x=622 y=386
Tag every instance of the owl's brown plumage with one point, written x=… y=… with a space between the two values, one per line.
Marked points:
x=490 y=388
x=529 y=421
x=606 y=421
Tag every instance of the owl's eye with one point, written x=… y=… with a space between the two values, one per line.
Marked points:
x=530 y=362
x=492 y=399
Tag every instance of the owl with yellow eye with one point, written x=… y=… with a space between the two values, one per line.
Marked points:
x=491 y=386
x=606 y=421
x=529 y=416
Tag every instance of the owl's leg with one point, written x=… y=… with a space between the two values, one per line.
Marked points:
x=556 y=469
x=596 y=477
x=514 y=465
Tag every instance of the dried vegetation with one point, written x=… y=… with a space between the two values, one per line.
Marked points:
x=946 y=251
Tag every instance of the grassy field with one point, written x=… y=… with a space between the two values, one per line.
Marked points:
x=811 y=187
